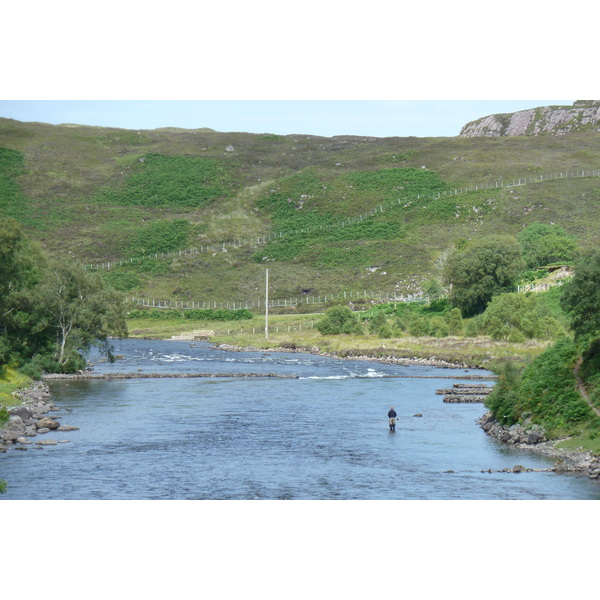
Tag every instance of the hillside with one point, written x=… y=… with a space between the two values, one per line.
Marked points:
x=352 y=213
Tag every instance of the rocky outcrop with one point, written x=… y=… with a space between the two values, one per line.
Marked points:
x=584 y=115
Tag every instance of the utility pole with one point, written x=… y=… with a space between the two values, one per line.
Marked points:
x=267 y=306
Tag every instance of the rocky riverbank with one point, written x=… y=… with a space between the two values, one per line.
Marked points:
x=534 y=438
x=35 y=416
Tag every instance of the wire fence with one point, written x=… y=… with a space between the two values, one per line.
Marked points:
x=377 y=297
x=213 y=247
x=537 y=287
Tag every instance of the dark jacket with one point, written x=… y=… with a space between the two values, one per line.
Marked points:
x=392 y=414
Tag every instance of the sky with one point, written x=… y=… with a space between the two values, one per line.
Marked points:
x=383 y=118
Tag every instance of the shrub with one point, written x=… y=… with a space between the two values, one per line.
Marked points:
x=454 y=321
x=516 y=317
x=546 y=244
x=338 y=320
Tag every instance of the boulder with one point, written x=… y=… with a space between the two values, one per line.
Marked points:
x=47 y=442
x=15 y=422
x=68 y=428
x=48 y=423
x=535 y=437
x=10 y=435
x=20 y=411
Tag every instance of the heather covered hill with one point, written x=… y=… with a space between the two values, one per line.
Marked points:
x=349 y=212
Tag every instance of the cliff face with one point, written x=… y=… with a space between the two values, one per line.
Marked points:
x=584 y=115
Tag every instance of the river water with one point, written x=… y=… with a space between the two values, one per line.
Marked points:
x=321 y=436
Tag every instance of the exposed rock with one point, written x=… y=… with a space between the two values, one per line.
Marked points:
x=68 y=428
x=47 y=423
x=47 y=442
x=584 y=115
x=22 y=411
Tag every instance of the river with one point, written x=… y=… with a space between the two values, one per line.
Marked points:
x=323 y=435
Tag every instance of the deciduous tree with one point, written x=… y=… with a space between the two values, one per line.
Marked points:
x=481 y=270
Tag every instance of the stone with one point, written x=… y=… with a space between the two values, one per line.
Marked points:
x=47 y=442
x=43 y=430
x=68 y=428
x=9 y=436
x=48 y=423
x=20 y=411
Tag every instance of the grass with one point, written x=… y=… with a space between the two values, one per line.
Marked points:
x=11 y=381
x=588 y=440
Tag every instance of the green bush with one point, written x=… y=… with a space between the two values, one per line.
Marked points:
x=516 y=317
x=338 y=320
x=4 y=416
x=546 y=244
x=454 y=321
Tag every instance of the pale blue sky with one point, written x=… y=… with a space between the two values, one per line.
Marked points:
x=420 y=118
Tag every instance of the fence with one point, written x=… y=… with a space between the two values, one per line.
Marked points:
x=539 y=287
x=255 y=242
x=378 y=296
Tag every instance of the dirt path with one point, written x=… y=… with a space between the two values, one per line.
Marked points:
x=581 y=386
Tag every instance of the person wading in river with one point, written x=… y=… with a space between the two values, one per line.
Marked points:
x=392 y=417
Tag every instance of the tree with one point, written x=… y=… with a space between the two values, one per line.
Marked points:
x=546 y=244
x=82 y=312
x=21 y=266
x=581 y=297
x=483 y=269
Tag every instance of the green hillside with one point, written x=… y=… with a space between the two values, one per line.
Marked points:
x=323 y=214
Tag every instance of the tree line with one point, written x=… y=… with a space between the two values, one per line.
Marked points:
x=52 y=311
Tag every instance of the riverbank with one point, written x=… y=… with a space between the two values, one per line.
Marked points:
x=35 y=415
x=534 y=439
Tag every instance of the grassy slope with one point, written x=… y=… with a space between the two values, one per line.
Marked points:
x=66 y=167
